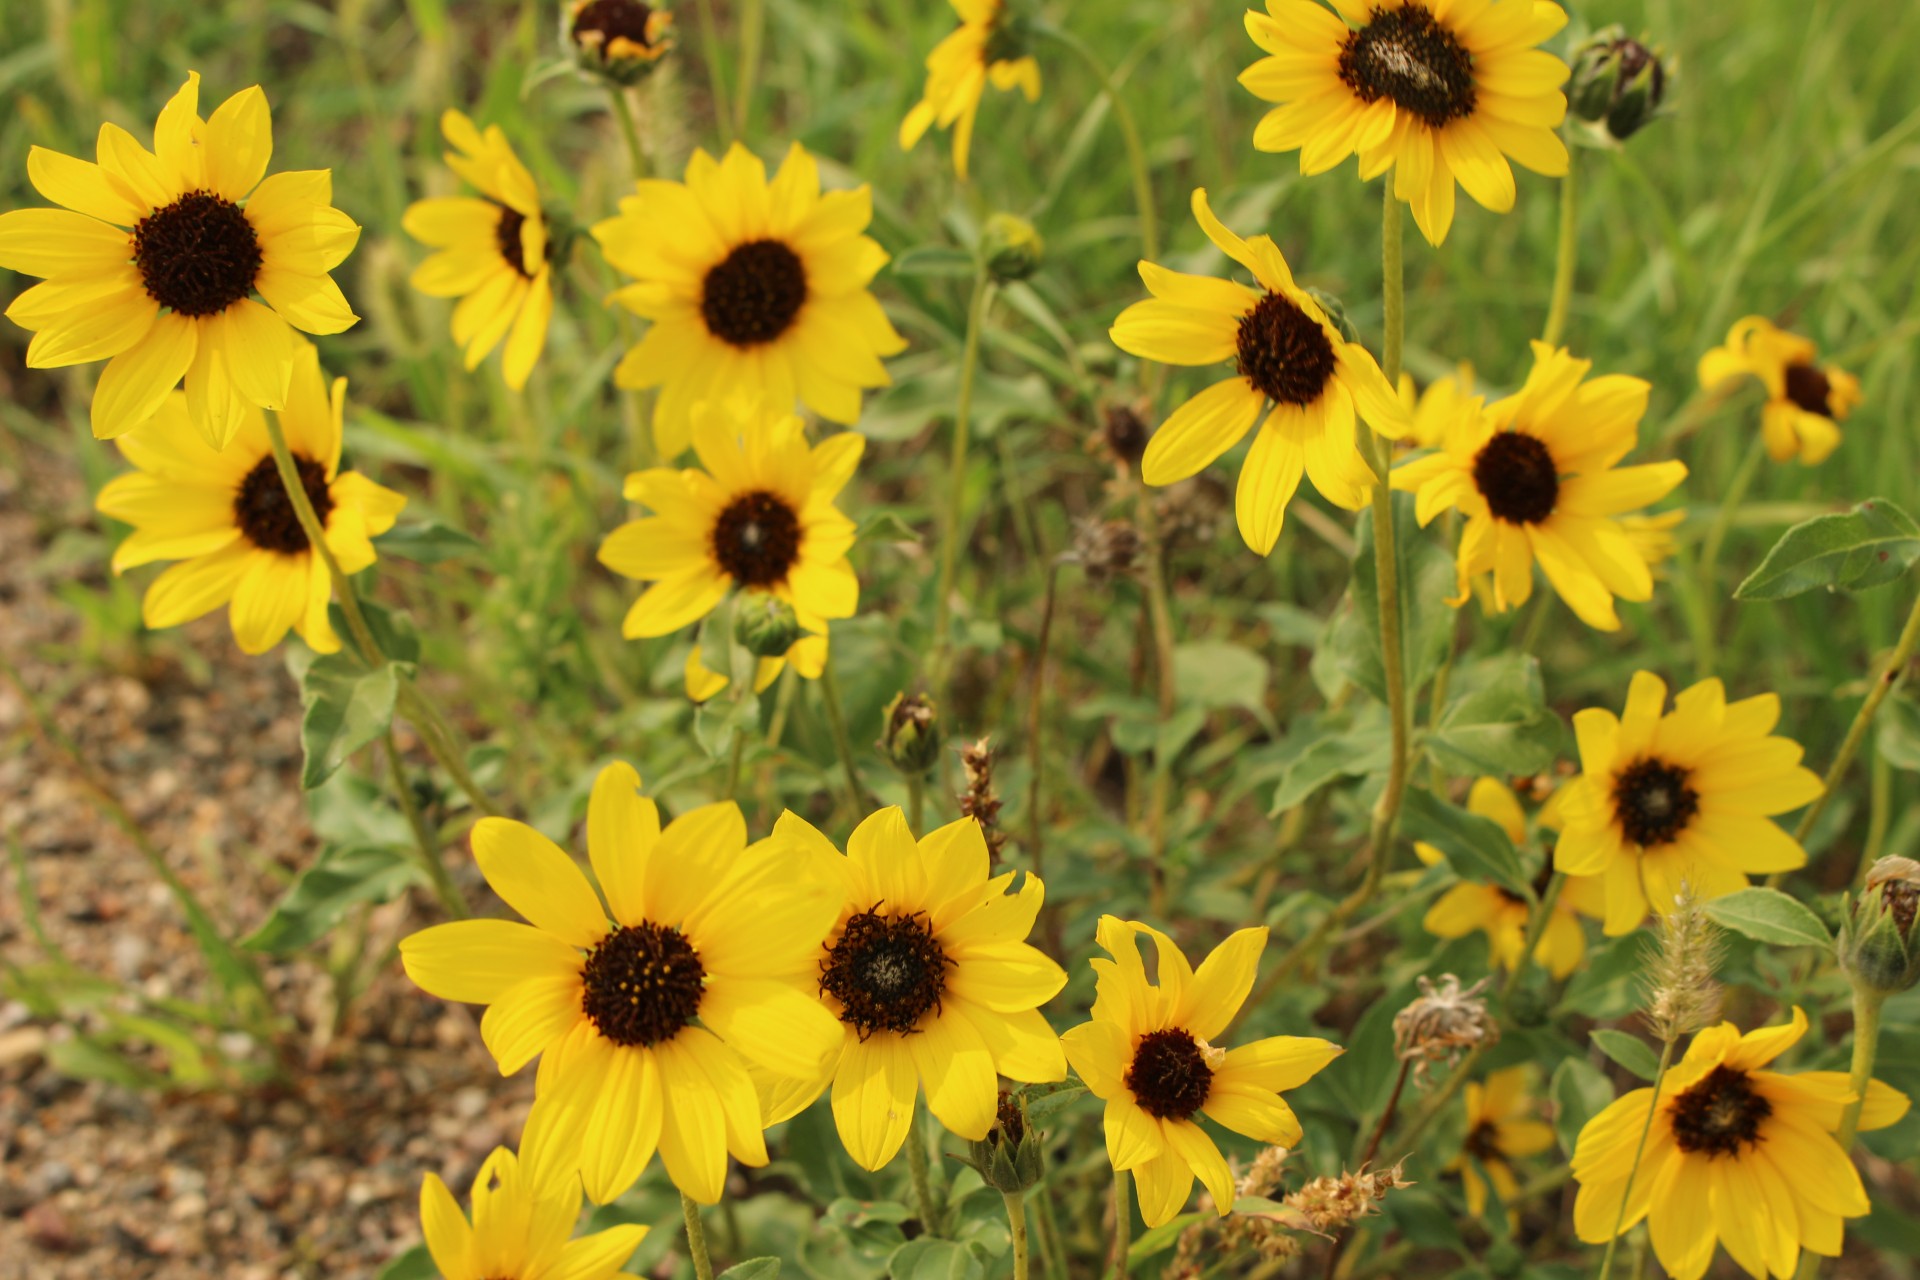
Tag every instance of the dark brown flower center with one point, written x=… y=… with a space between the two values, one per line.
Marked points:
x=753 y=295
x=264 y=512
x=756 y=540
x=1516 y=474
x=197 y=256
x=887 y=972
x=1810 y=389
x=1169 y=1076
x=601 y=22
x=506 y=234
x=1406 y=56
x=1009 y=1126
x=642 y=984
x=1483 y=1141
x=1719 y=1115
x=1654 y=801
x=1284 y=352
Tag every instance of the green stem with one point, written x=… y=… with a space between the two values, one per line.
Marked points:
x=716 y=76
x=1017 y=1226
x=1129 y=134
x=623 y=112
x=837 y=724
x=1160 y=611
x=438 y=738
x=443 y=887
x=957 y=480
x=303 y=511
x=916 y=800
x=1035 y=730
x=1715 y=539
x=1862 y=720
x=1122 y=1224
x=1052 y=1247
x=1866 y=1046
x=1567 y=254
x=1879 y=815
x=1639 y=1150
x=917 y=1170
x=753 y=25
x=696 y=1237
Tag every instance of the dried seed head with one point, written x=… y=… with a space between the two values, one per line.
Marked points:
x=1443 y=1022
x=1330 y=1205
x=1123 y=432
x=1191 y=511
x=1878 y=946
x=1682 y=994
x=1106 y=549
x=980 y=801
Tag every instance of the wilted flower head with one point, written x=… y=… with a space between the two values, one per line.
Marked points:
x=1443 y=1022
x=1333 y=1204
x=1877 y=944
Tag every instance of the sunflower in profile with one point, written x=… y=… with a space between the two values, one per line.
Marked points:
x=1737 y=1154
x=808 y=655
x=1436 y=90
x=644 y=1012
x=758 y=514
x=225 y=515
x=1503 y=1125
x=987 y=47
x=495 y=253
x=156 y=258
x=1806 y=402
x=1681 y=796
x=1290 y=363
x=519 y=1230
x=1536 y=477
x=1147 y=1055
x=928 y=970
x=752 y=287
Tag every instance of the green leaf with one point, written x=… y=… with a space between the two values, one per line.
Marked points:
x=347 y=706
x=1580 y=1091
x=1768 y=915
x=1158 y=1239
x=1629 y=1051
x=886 y=525
x=1498 y=723
x=1044 y=1101
x=718 y=719
x=1897 y=734
x=415 y=1264
x=426 y=542
x=934 y=260
x=929 y=1259
x=1869 y=546
x=1360 y=750
x=342 y=876
x=393 y=632
x=82 y=1057
x=1214 y=673
x=1477 y=848
x=752 y=1269
x=1426 y=579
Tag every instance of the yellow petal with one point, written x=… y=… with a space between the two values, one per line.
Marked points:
x=539 y=881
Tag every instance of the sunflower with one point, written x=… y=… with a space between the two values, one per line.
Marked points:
x=1684 y=796
x=929 y=972
x=1806 y=402
x=225 y=515
x=1290 y=362
x=1502 y=914
x=643 y=1023
x=1503 y=1125
x=1435 y=90
x=1146 y=1054
x=1653 y=536
x=519 y=1229
x=619 y=40
x=808 y=655
x=987 y=47
x=1736 y=1153
x=1433 y=411
x=760 y=516
x=154 y=262
x=495 y=253
x=751 y=286
x=1536 y=479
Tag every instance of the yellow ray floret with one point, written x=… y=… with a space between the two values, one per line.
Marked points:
x=1503 y=1125
x=958 y=71
x=1806 y=401
x=519 y=1228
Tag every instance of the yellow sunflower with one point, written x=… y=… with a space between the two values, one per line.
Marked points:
x=495 y=253
x=225 y=515
x=986 y=47
x=1653 y=536
x=1147 y=1055
x=1502 y=914
x=808 y=655
x=1737 y=1154
x=1436 y=90
x=1433 y=411
x=1535 y=476
x=759 y=516
x=1503 y=1125
x=621 y=40
x=1806 y=402
x=929 y=973
x=154 y=262
x=644 y=1012
x=519 y=1230
x=1290 y=363
x=1685 y=796
x=751 y=286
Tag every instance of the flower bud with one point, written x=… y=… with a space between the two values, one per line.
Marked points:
x=1618 y=84
x=618 y=40
x=765 y=625
x=1336 y=313
x=1011 y=247
x=1877 y=944
x=910 y=734
x=1011 y=1158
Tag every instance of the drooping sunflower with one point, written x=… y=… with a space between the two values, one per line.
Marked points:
x=1536 y=477
x=225 y=515
x=1436 y=90
x=1291 y=363
x=759 y=516
x=495 y=253
x=645 y=1011
x=1147 y=1055
x=808 y=655
x=1681 y=796
x=751 y=286
x=1806 y=401
x=519 y=1230
x=930 y=976
x=1737 y=1154
x=987 y=47
x=1503 y=1125
x=155 y=259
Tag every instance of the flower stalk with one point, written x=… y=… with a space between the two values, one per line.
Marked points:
x=1017 y=1228
x=957 y=478
x=1639 y=1150
x=696 y=1237
x=1889 y=676
x=1122 y=1224
x=1566 y=255
x=918 y=1171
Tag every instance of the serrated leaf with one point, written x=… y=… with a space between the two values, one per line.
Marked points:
x=1768 y=915
x=415 y=1264
x=1869 y=546
x=1580 y=1091
x=346 y=707
x=340 y=877
x=752 y=1269
x=426 y=542
x=1477 y=848
x=1629 y=1051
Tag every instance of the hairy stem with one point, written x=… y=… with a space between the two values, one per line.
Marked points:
x=917 y=1170
x=696 y=1237
x=1639 y=1150
x=956 y=495
x=1017 y=1226
x=837 y=724
x=425 y=845
x=1122 y=1224
x=1567 y=254
x=1160 y=612
x=623 y=112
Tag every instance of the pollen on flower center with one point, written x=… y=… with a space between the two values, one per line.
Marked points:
x=1169 y=1077
x=756 y=540
x=1284 y=352
x=1719 y=1115
x=753 y=295
x=265 y=514
x=1516 y=474
x=1406 y=56
x=1654 y=801
x=197 y=256
x=642 y=984
x=887 y=972
x=506 y=234
x=1810 y=389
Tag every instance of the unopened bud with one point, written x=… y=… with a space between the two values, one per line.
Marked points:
x=910 y=734
x=1010 y=1159
x=618 y=40
x=1618 y=84
x=1877 y=944
x=765 y=625
x=1011 y=247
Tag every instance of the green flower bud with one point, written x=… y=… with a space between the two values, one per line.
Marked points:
x=1011 y=247
x=910 y=734
x=1618 y=84
x=621 y=41
x=1877 y=944
x=1011 y=1158
x=764 y=625
x=1336 y=313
